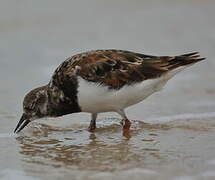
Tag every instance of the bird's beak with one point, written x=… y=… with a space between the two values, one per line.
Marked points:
x=22 y=123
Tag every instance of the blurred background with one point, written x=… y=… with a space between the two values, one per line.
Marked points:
x=36 y=36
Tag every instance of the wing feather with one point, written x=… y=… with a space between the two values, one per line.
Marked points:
x=116 y=68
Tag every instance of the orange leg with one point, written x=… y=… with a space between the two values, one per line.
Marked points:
x=126 y=124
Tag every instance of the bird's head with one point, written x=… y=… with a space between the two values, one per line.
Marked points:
x=34 y=107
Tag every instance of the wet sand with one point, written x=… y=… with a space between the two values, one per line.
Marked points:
x=172 y=135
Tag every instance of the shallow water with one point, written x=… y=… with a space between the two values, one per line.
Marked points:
x=175 y=146
x=172 y=134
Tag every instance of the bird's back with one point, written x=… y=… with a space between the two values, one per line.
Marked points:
x=116 y=68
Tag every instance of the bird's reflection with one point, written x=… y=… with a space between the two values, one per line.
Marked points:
x=104 y=150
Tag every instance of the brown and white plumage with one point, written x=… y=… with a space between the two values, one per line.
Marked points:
x=106 y=80
x=116 y=68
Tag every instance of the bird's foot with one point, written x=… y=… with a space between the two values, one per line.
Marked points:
x=92 y=128
x=126 y=124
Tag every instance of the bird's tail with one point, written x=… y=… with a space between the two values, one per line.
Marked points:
x=178 y=63
x=184 y=60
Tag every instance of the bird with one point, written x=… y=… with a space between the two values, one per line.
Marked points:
x=98 y=81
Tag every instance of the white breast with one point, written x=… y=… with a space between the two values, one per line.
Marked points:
x=97 y=98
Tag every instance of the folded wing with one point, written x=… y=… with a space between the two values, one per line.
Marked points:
x=117 y=68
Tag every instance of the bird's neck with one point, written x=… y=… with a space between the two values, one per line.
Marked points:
x=60 y=104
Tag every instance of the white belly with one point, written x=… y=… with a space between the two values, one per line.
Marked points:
x=97 y=98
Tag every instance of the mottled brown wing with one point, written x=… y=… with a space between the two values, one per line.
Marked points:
x=116 y=68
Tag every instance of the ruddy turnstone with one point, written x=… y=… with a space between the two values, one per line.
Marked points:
x=102 y=81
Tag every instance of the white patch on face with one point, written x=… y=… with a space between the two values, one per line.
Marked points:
x=43 y=107
x=96 y=98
